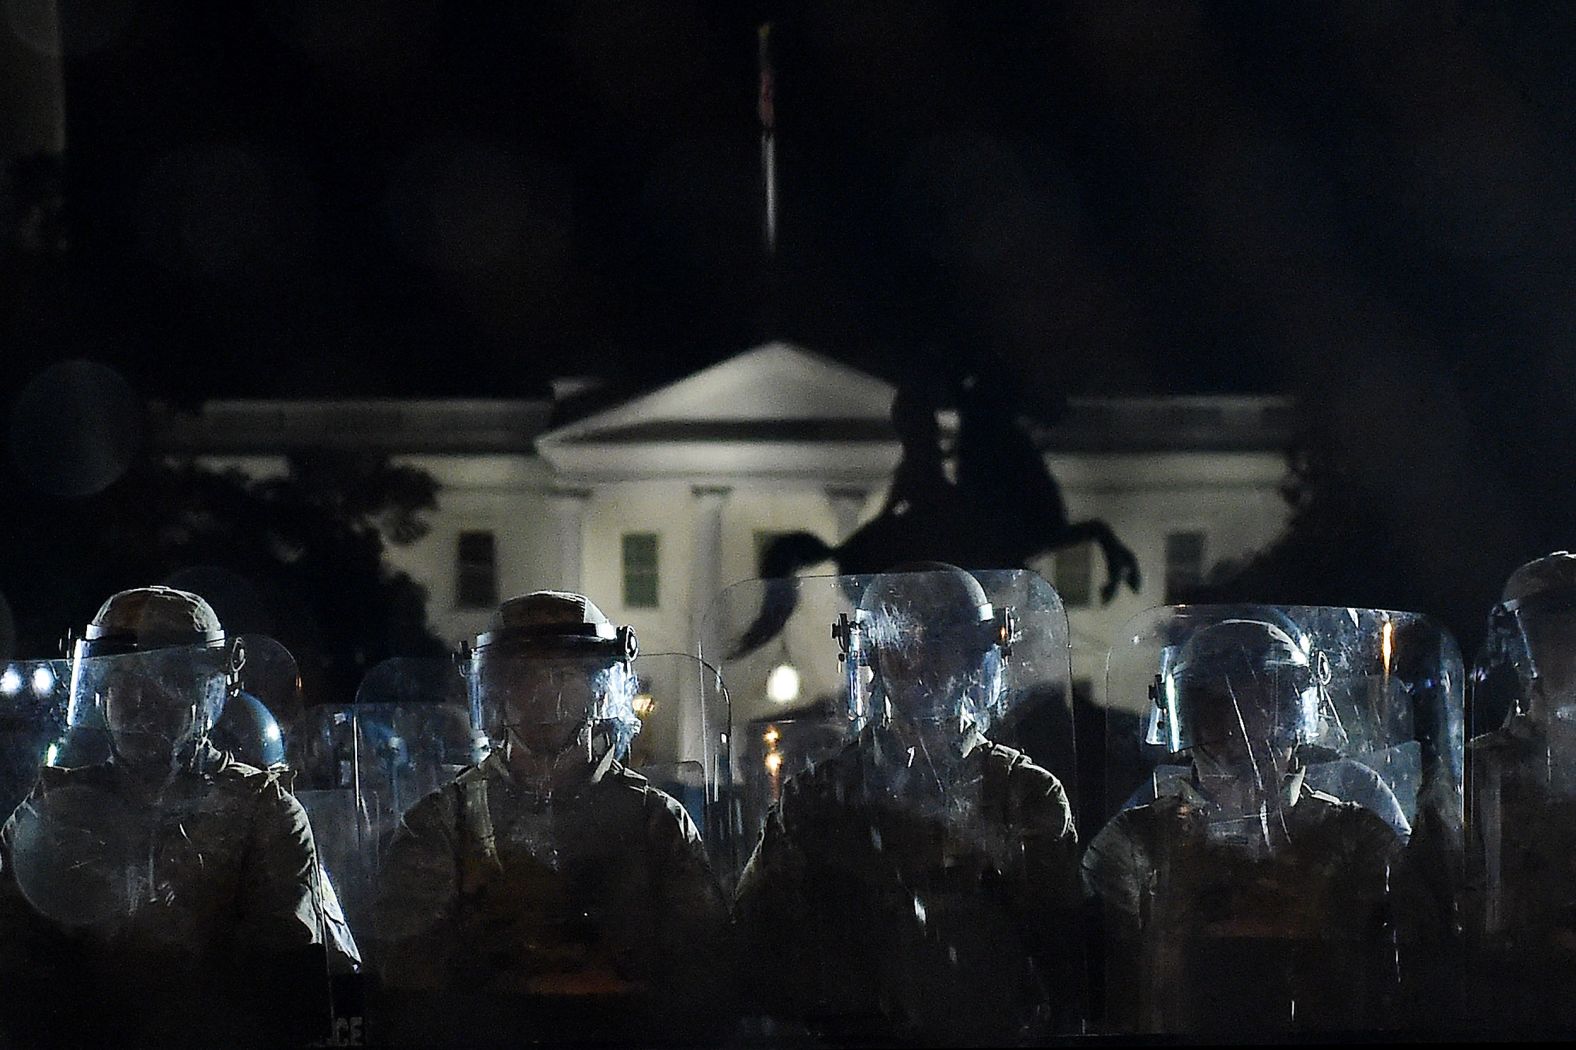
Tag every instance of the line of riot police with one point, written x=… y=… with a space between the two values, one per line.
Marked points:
x=557 y=838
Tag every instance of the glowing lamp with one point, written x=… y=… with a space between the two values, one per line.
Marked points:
x=782 y=685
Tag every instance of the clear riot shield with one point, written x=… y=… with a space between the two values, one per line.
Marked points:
x=133 y=866
x=567 y=892
x=910 y=863
x=1286 y=860
x=34 y=698
x=1520 y=904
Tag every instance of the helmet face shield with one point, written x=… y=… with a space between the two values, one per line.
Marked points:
x=931 y=647
x=544 y=700
x=931 y=677
x=151 y=705
x=1546 y=653
x=1237 y=682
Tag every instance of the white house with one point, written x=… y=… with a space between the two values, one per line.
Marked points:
x=653 y=506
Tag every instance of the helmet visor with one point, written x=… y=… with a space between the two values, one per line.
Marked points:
x=1548 y=630
x=150 y=703
x=546 y=700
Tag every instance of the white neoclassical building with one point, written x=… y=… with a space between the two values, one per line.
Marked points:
x=653 y=506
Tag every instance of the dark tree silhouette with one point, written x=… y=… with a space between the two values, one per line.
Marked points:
x=299 y=557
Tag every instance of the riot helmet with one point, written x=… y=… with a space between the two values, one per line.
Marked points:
x=925 y=647
x=1238 y=682
x=1535 y=626
x=248 y=731
x=152 y=671
x=551 y=681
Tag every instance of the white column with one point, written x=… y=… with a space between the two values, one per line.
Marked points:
x=705 y=584
x=706 y=568
x=847 y=504
x=569 y=507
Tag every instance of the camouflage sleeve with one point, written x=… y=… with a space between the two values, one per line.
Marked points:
x=281 y=909
x=417 y=890
x=1049 y=837
x=1049 y=902
x=776 y=922
x=1115 y=869
x=693 y=929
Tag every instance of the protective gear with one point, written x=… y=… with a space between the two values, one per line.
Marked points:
x=248 y=731
x=1533 y=633
x=1204 y=937
x=168 y=881
x=873 y=919
x=1521 y=913
x=595 y=917
x=193 y=904
x=925 y=646
x=1239 y=676
x=914 y=880
x=1239 y=897
x=547 y=884
x=551 y=681
x=152 y=672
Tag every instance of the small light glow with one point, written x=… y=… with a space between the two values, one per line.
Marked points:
x=644 y=704
x=10 y=682
x=52 y=755
x=772 y=736
x=782 y=685
x=1387 y=644
x=43 y=680
x=774 y=763
x=272 y=732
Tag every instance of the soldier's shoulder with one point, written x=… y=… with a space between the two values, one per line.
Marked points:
x=1021 y=771
x=1352 y=821
x=50 y=777
x=1031 y=789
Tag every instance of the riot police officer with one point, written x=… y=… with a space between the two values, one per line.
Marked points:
x=1245 y=900
x=549 y=892
x=921 y=882
x=167 y=892
x=1521 y=910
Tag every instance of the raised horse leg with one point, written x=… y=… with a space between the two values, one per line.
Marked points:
x=1121 y=564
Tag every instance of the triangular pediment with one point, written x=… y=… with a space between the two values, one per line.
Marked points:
x=776 y=391
x=776 y=408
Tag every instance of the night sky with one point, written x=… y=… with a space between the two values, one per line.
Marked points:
x=1367 y=205
x=339 y=198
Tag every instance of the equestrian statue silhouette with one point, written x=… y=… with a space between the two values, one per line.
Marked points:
x=1003 y=509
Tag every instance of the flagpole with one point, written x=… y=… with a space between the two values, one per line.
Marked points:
x=765 y=108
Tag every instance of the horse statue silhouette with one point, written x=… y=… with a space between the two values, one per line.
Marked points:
x=1004 y=509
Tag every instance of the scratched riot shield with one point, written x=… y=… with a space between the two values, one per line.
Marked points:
x=34 y=700
x=1521 y=910
x=911 y=875
x=1285 y=865
x=558 y=880
x=136 y=859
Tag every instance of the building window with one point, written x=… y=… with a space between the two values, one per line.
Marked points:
x=476 y=571
x=1184 y=563
x=1074 y=574
x=640 y=570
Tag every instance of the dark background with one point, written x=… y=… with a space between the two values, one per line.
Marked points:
x=1366 y=205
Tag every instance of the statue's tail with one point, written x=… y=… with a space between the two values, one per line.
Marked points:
x=782 y=558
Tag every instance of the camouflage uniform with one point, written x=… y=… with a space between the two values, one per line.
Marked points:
x=1207 y=934
x=205 y=912
x=596 y=916
x=873 y=920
